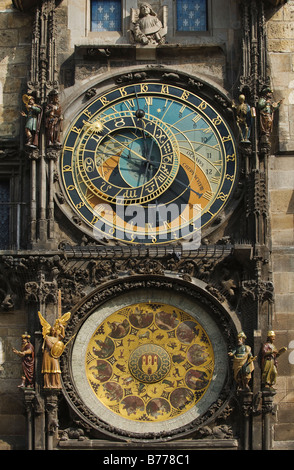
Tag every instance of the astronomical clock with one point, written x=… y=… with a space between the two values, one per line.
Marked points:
x=148 y=163
x=146 y=139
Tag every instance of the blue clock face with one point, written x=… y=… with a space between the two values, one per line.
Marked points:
x=148 y=163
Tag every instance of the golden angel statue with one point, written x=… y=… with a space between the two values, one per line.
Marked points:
x=52 y=348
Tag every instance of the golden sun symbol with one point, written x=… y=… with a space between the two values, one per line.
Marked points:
x=96 y=126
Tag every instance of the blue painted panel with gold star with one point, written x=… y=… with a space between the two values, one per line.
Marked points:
x=191 y=15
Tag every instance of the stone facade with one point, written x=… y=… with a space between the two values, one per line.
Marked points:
x=247 y=281
x=281 y=186
x=15 y=55
x=15 y=31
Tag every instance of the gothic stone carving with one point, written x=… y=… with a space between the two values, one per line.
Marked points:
x=146 y=26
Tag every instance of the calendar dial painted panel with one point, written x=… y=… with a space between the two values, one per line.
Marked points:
x=148 y=362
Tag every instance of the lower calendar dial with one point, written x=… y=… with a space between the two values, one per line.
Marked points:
x=149 y=363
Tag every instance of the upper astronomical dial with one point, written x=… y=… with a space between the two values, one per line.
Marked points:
x=149 y=144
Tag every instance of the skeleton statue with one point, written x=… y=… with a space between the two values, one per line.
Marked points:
x=146 y=27
x=243 y=118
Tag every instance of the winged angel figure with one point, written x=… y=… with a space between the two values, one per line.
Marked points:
x=52 y=348
x=146 y=27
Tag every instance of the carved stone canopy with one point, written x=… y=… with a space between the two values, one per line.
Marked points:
x=276 y=2
x=25 y=5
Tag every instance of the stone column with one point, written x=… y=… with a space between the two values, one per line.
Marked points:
x=51 y=400
x=52 y=157
x=267 y=411
x=33 y=156
x=29 y=398
x=246 y=398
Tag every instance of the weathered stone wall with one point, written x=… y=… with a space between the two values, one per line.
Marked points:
x=15 y=50
x=281 y=189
